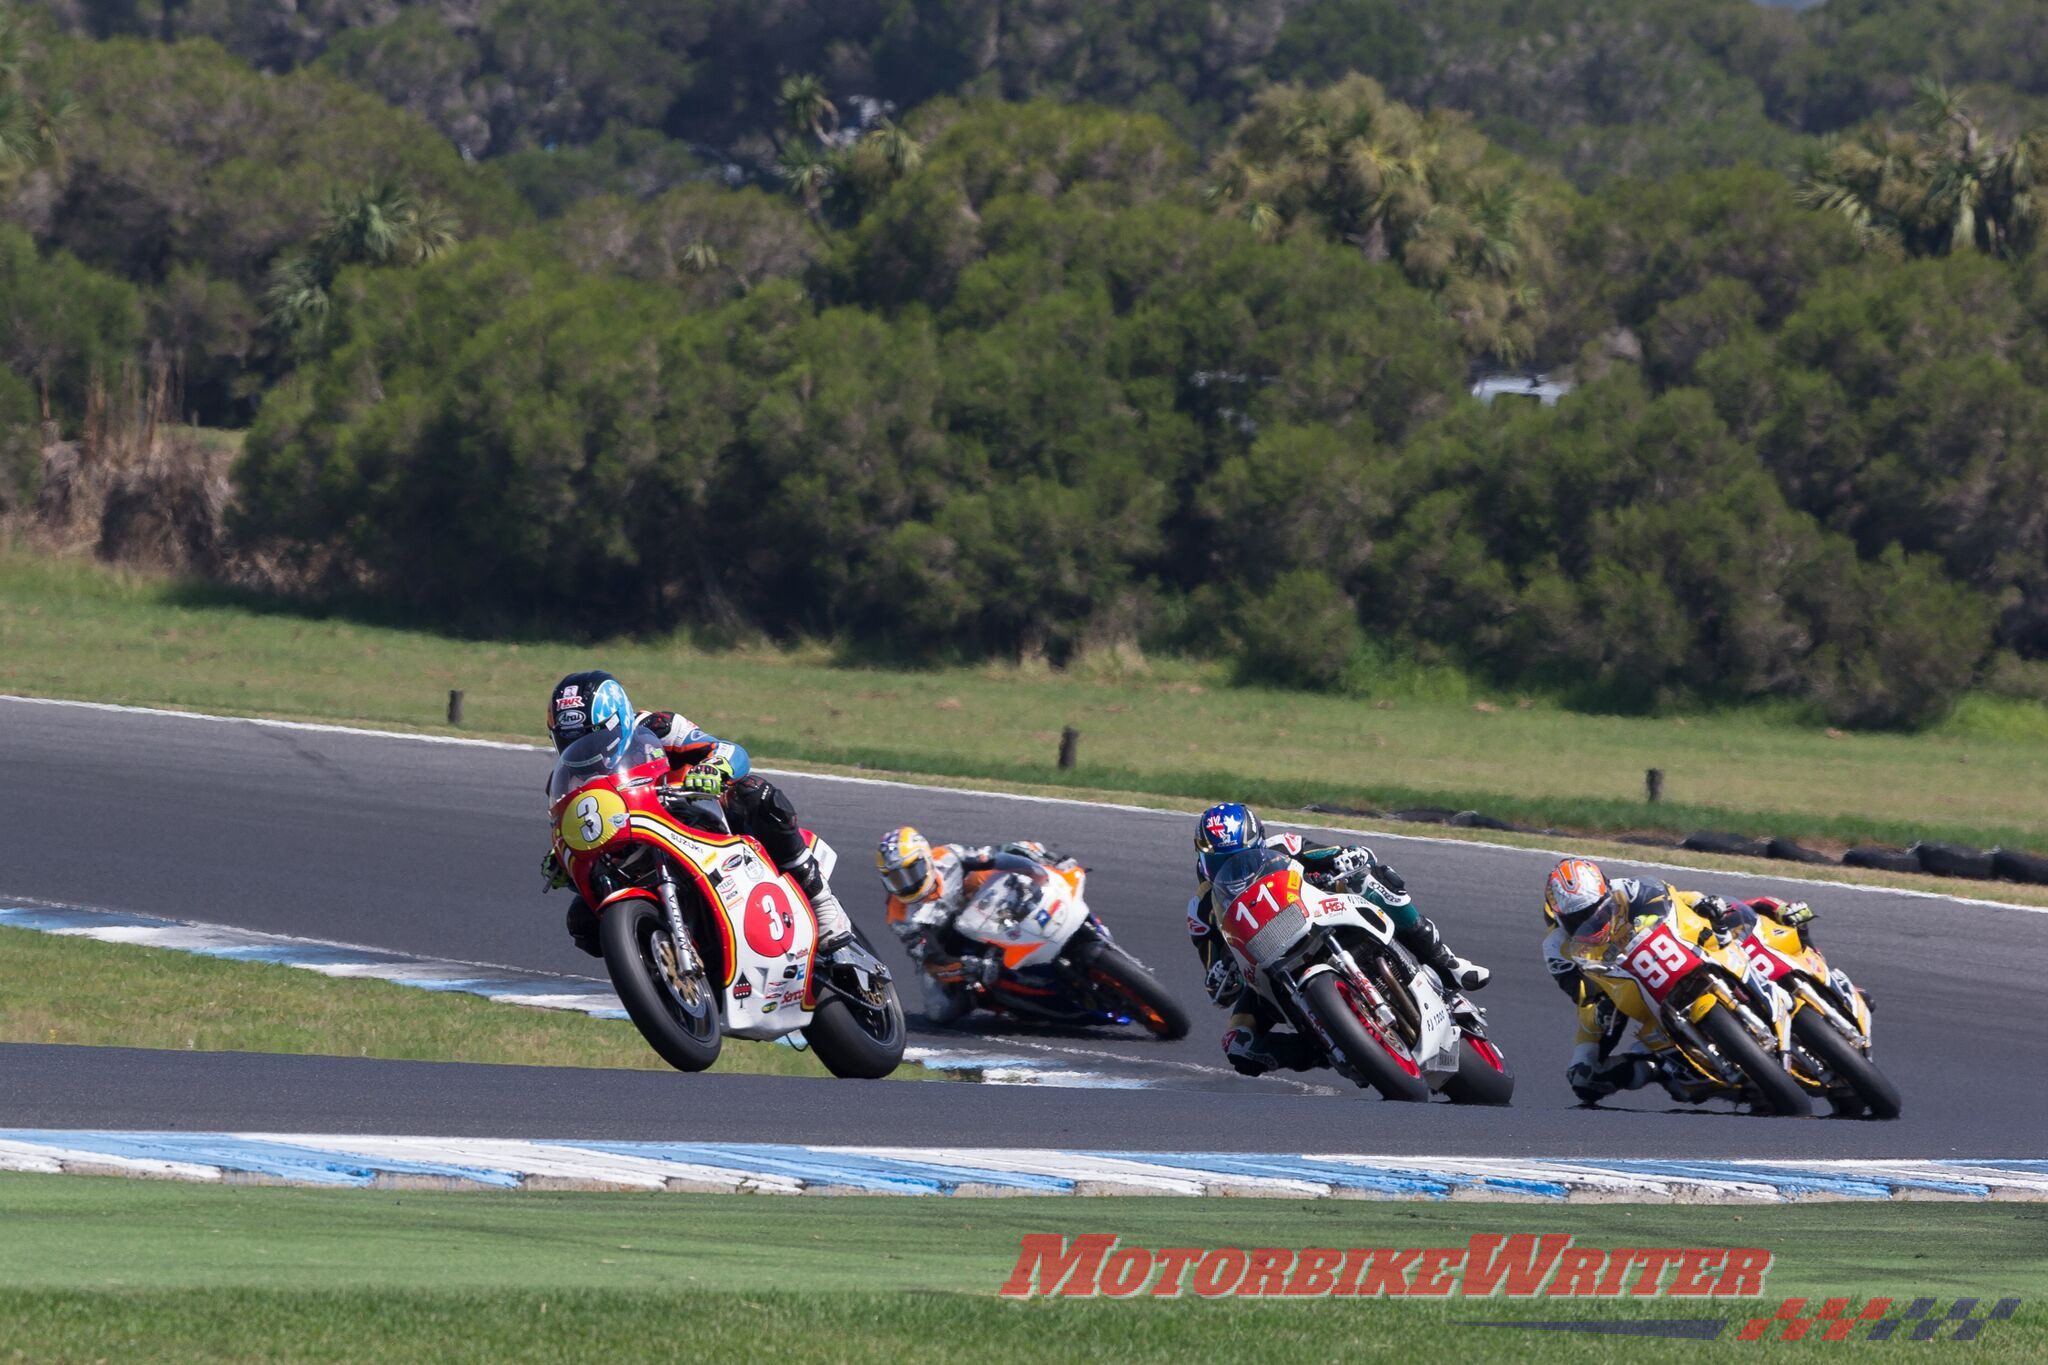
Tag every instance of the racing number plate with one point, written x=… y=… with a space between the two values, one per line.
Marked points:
x=1260 y=902
x=1660 y=961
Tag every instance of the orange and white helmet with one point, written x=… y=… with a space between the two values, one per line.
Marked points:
x=905 y=861
x=1577 y=889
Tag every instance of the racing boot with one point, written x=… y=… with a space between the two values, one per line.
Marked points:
x=1680 y=1081
x=835 y=930
x=949 y=982
x=1593 y=1081
x=1254 y=1052
x=1422 y=939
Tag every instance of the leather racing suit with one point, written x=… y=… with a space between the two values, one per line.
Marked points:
x=953 y=967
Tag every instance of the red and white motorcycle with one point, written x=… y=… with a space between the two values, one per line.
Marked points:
x=1330 y=964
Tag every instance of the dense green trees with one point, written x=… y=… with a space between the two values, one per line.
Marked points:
x=585 y=316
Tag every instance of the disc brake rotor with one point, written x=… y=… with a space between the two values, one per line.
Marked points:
x=685 y=988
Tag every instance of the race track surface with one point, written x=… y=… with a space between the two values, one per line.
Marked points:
x=434 y=849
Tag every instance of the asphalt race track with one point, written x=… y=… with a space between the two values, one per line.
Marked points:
x=435 y=849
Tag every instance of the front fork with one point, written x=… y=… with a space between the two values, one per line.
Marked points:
x=687 y=961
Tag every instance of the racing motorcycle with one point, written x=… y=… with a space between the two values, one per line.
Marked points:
x=703 y=937
x=1059 y=963
x=1700 y=999
x=1830 y=1019
x=1329 y=962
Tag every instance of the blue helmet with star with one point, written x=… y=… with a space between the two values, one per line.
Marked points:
x=1223 y=831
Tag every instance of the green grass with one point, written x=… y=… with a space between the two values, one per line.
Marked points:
x=106 y=1269
x=56 y=990
x=1147 y=727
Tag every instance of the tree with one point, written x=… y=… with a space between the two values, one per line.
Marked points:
x=1395 y=184
x=1940 y=188
x=31 y=128
x=385 y=224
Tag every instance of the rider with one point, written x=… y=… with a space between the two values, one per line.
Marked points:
x=1253 y=1044
x=928 y=888
x=1579 y=901
x=712 y=770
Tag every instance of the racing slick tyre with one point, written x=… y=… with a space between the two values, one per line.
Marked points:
x=858 y=1038
x=1330 y=997
x=1776 y=1090
x=1483 y=1075
x=1119 y=979
x=1874 y=1092
x=676 y=1013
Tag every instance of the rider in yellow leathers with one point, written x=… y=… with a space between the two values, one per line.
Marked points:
x=1579 y=903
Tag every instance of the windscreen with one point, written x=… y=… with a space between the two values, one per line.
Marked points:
x=601 y=752
x=1236 y=876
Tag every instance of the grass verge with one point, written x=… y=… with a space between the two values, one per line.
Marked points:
x=60 y=989
x=98 y=1269
x=1158 y=729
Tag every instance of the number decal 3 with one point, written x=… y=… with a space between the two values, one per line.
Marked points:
x=592 y=819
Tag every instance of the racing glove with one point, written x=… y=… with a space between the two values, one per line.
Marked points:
x=707 y=779
x=1224 y=981
x=553 y=873
x=1796 y=915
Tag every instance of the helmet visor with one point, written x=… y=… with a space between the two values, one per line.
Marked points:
x=909 y=879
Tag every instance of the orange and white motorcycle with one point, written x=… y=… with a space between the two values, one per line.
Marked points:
x=1058 y=961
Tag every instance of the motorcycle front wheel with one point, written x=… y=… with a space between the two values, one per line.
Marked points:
x=1330 y=997
x=1847 y=1064
x=1777 y=1092
x=675 y=1010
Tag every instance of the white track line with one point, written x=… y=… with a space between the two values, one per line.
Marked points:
x=1384 y=834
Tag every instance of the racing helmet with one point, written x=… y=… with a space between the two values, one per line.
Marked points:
x=1577 y=889
x=905 y=861
x=584 y=702
x=1223 y=830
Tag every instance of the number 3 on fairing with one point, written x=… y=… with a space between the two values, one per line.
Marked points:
x=589 y=819
x=1654 y=972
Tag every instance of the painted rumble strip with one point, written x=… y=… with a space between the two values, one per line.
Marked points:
x=769 y=1168
x=504 y=985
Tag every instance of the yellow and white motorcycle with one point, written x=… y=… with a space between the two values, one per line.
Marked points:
x=1698 y=994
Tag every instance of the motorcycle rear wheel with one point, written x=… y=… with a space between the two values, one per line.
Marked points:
x=858 y=1041
x=1115 y=973
x=634 y=935
x=1478 y=1081
x=1848 y=1064
x=1776 y=1089
x=1367 y=1055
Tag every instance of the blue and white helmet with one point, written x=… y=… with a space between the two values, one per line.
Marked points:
x=1224 y=830
x=583 y=702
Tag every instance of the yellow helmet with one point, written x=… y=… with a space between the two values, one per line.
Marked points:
x=905 y=861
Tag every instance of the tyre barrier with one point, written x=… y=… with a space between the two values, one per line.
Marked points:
x=2016 y=865
x=1882 y=859
x=1954 y=860
x=1784 y=850
x=1928 y=856
x=1733 y=845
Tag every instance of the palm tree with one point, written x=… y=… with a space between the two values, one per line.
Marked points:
x=805 y=106
x=901 y=153
x=809 y=174
x=386 y=224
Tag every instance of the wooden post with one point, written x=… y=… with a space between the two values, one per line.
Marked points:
x=454 y=707
x=1653 y=785
x=1069 y=737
